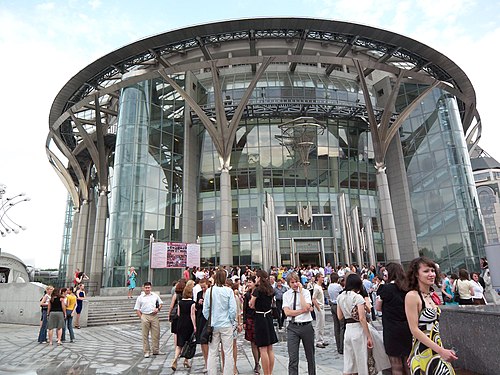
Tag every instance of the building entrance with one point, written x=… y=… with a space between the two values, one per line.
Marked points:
x=309 y=259
x=308 y=252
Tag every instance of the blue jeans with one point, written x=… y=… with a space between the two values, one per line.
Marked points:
x=68 y=323
x=42 y=335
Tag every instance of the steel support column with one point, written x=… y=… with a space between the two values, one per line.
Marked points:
x=96 y=263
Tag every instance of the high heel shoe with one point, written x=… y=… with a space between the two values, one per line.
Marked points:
x=186 y=363
x=174 y=364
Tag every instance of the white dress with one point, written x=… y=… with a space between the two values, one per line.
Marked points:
x=355 y=348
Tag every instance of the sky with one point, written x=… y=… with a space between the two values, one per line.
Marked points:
x=45 y=43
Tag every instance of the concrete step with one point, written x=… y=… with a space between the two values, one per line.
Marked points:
x=115 y=310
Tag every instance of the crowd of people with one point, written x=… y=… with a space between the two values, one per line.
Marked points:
x=213 y=306
x=216 y=305
x=58 y=307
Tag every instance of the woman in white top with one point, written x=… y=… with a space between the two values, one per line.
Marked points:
x=478 y=290
x=358 y=338
x=464 y=287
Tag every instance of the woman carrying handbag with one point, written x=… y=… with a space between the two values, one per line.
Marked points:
x=186 y=325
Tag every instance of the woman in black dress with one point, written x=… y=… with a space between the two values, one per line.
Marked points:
x=397 y=335
x=265 y=335
x=186 y=324
x=201 y=321
x=249 y=323
x=174 y=303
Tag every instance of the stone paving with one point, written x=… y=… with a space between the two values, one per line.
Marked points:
x=117 y=349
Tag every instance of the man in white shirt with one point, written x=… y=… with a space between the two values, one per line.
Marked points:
x=318 y=300
x=334 y=289
x=297 y=308
x=200 y=274
x=196 y=289
x=147 y=307
x=272 y=281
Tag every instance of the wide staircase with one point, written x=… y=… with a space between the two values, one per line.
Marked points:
x=117 y=310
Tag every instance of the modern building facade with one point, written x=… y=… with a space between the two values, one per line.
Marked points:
x=487 y=177
x=268 y=141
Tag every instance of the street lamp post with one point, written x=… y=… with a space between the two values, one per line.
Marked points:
x=7 y=225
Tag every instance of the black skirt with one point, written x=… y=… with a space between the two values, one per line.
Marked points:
x=265 y=334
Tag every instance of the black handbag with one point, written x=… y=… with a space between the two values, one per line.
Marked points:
x=174 y=313
x=189 y=349
x=456 y=296
x=274 y=310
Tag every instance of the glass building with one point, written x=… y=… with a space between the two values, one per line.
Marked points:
x=268 y=141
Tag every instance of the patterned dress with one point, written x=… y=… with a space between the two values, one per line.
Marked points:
x=423 y=360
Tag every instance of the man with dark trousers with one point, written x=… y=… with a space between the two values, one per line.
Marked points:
x=279 y=290
x=297 y=306
x=334 y=289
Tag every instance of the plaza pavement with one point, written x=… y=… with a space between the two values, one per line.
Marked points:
x=117 y=349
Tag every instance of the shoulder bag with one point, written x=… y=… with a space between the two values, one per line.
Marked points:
x=208 y=329
x=456 y=296
x=173 y=313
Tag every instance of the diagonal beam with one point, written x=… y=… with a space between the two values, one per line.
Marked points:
x=372 y=121
x=382 y=59
x=82 y=182
x=204 y=49
x=405 y=113
x=65 y=177
x=102 y=165
x=389 y=105
x=160 y=59
x=238 y=113
x=299 y=48
x=209 y=125
x=89 y=143
x=347 y=47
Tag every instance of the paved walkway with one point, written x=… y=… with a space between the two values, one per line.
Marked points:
x=117 y=349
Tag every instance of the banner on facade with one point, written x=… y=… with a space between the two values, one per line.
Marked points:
x=174 y=255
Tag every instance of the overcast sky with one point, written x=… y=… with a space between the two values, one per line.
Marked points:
x=44 y=43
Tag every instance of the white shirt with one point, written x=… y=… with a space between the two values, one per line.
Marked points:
x=319 y=296
x=200 y=275
x=334 y=290
x=288 y=302
x=478 y=290
x=146 y=303
x=196 y=290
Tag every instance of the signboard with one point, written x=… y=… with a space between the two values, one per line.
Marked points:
x=174 y=255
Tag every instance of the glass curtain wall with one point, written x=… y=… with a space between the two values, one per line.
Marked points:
x=443 y=195
x=341 y=161
x=146 y=192
x=66 y=241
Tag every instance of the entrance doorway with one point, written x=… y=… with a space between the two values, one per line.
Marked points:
x=309 y=259
x=308 y=252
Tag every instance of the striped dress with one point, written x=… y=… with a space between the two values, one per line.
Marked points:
x=423 y=360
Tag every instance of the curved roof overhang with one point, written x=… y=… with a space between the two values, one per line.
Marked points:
x=91 y=96
x=419 y=55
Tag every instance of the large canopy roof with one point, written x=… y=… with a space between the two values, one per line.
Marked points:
x=381 y=45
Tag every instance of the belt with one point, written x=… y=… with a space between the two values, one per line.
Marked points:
x=301 y=323
x=350 y=321
x=263 y=312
